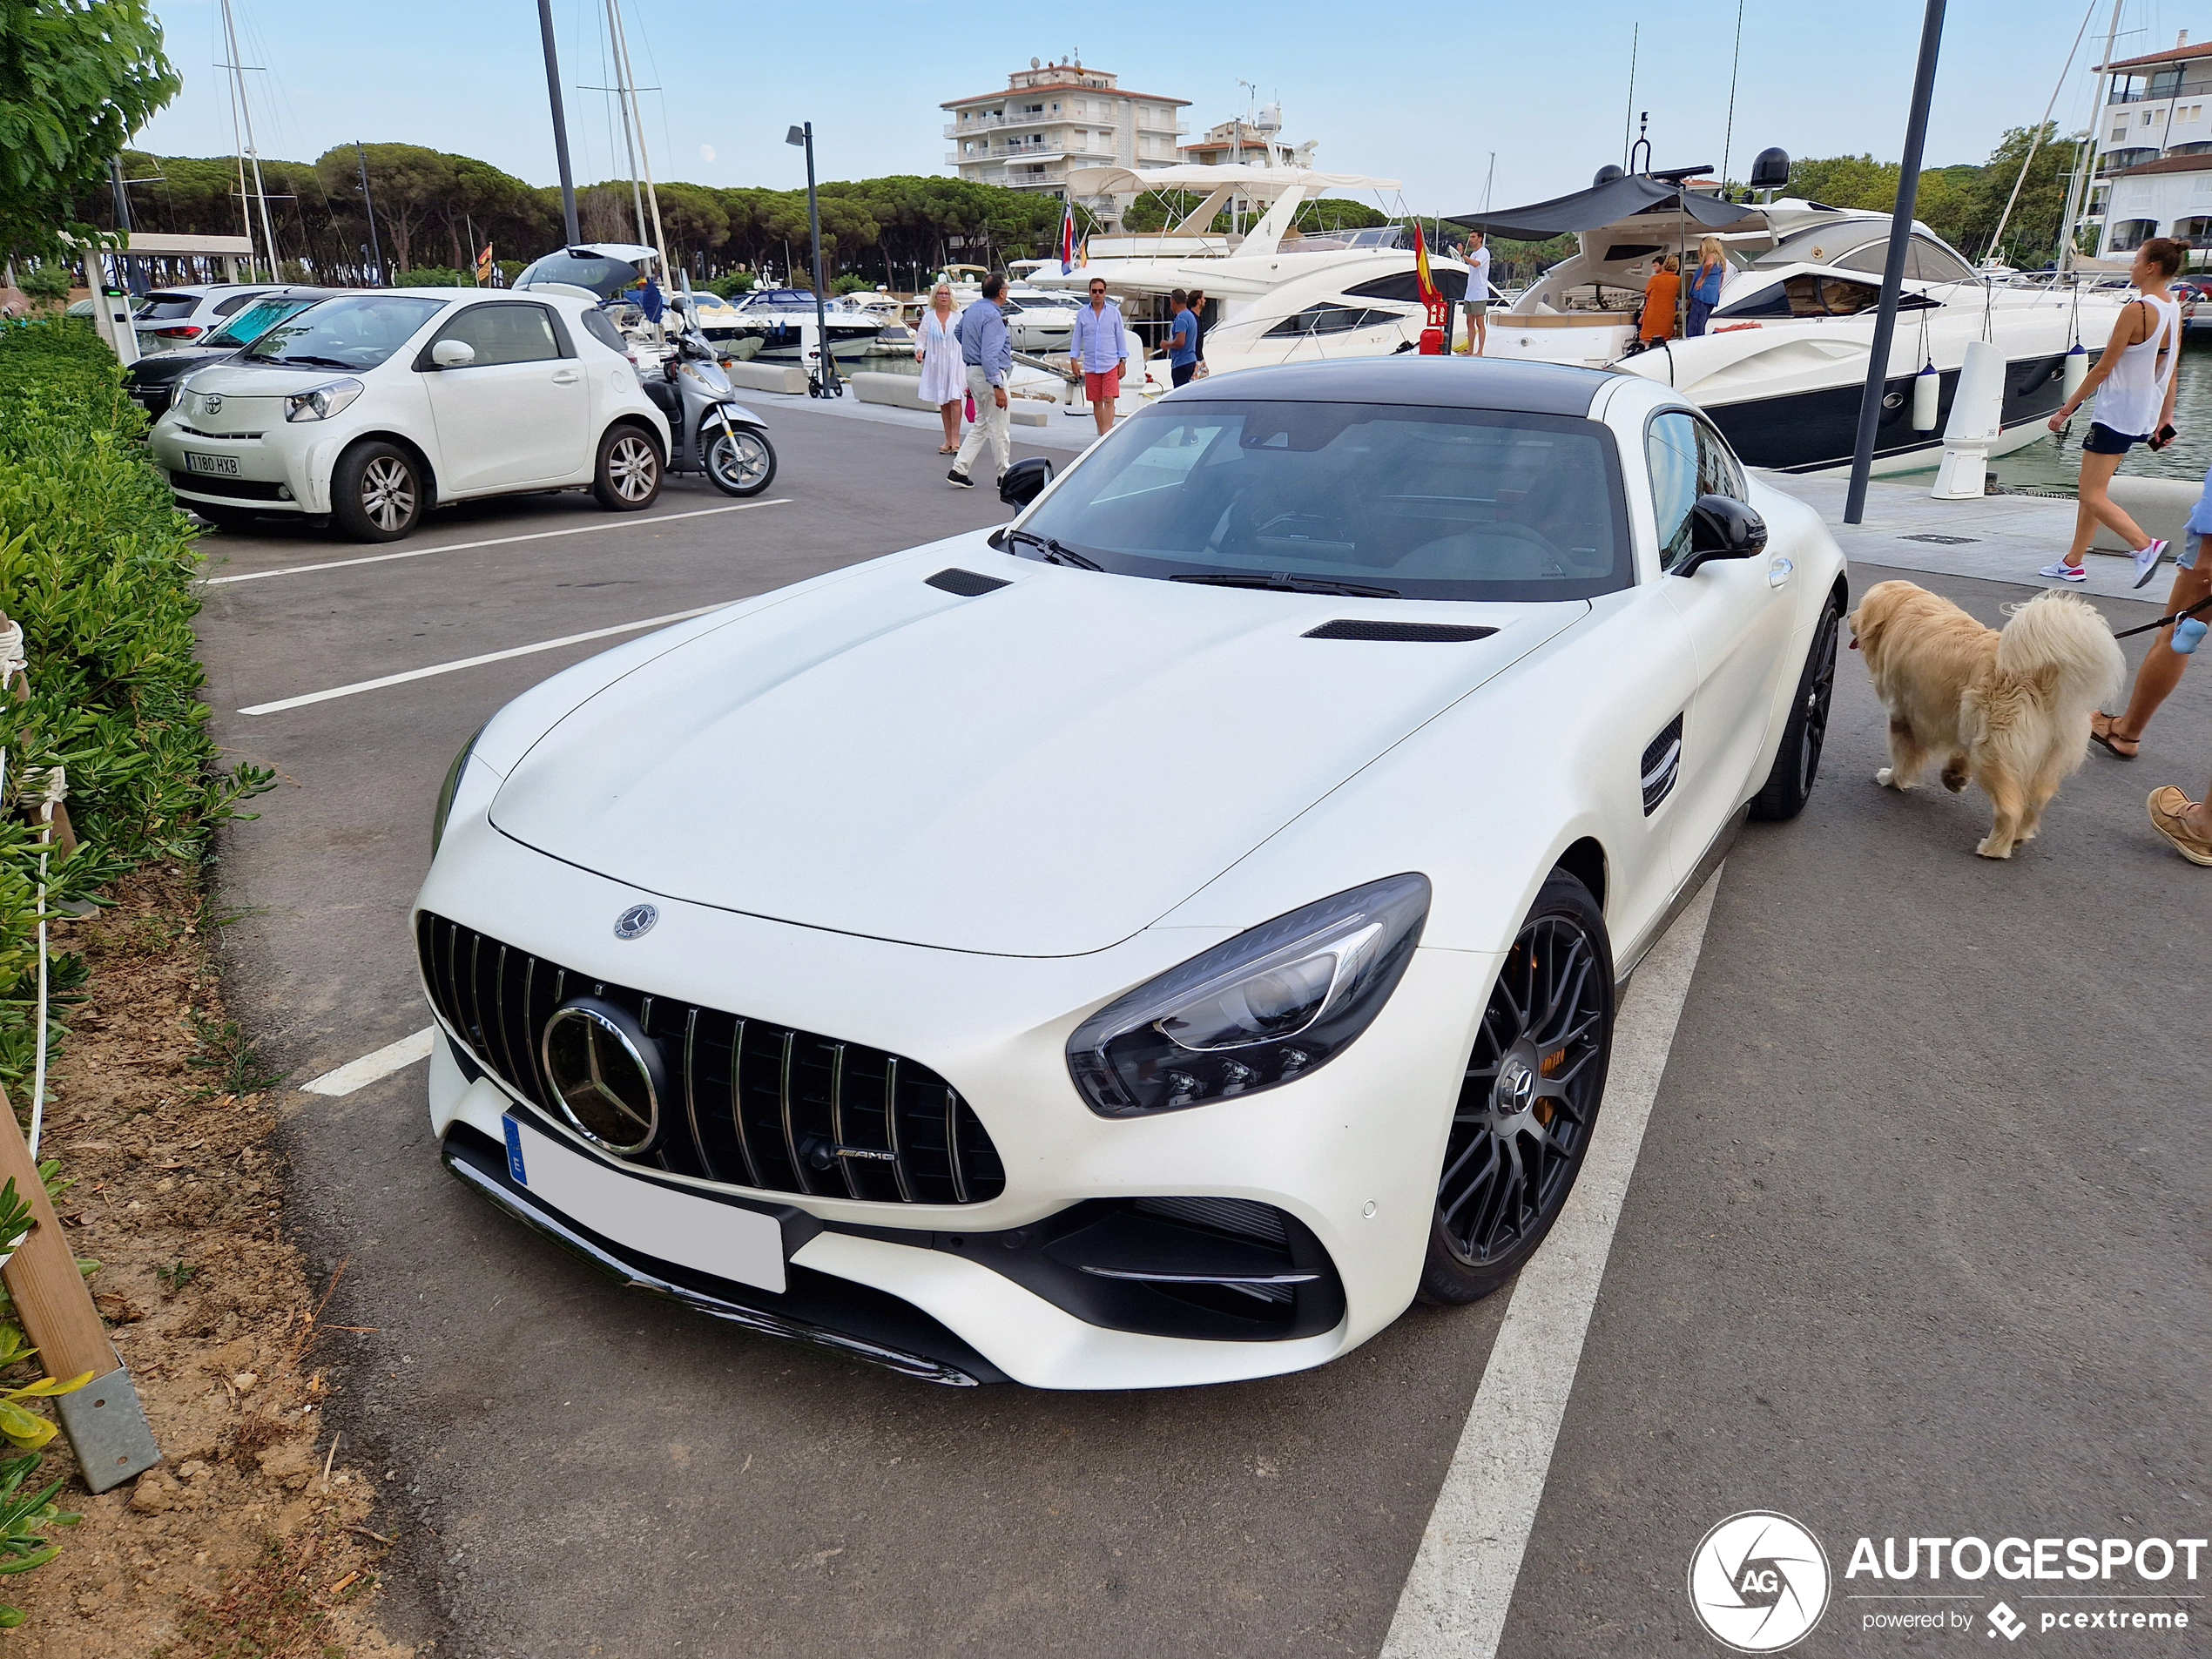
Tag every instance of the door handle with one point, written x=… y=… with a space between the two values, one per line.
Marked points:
x=566 y=377
x=1778 y=569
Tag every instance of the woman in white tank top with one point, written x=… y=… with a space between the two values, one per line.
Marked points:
x=2133 y=384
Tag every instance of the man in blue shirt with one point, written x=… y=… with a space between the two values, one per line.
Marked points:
x=987 y=350
x=1100 y=348
x=1182 y=339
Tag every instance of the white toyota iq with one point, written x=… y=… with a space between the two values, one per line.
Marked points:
x=373 y=407
x=1153 y=942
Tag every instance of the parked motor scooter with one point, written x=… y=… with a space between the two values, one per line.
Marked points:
x=710 y=431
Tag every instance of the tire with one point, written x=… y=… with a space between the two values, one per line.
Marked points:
x=1528 y=1104
x=627 y=477
x=1798 y=761
x=378 y=492
x=741 y=462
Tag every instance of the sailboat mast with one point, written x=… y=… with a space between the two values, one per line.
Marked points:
x=629 y=79
x=2077 y=195
x=622 y=103
x=238 y=153
x=246 y=111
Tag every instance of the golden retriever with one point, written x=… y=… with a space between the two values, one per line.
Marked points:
x=2009 y=710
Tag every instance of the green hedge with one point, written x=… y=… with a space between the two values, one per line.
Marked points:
x=98 y=566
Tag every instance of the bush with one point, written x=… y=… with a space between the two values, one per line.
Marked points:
x=432 y=276
x=851 y=284
x=48 y=280
x=97 y=565
x=731 y=286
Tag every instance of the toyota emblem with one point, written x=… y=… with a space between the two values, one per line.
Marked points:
x=213 y=403
x=637 y=921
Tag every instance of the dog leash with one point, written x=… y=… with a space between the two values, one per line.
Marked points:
x=2164 y=622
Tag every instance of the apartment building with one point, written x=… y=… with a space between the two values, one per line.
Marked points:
x=1242 y=141
x=1054 y=117
x=2152 y=174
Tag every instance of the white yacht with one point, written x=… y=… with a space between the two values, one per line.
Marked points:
x=1274 y=295
x=773 y=316
x=1782 y=365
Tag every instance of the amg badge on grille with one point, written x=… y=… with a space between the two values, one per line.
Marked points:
x=637 y=921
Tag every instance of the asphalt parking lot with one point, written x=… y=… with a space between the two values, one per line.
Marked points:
x=1915 y=1244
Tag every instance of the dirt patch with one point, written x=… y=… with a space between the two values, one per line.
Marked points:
x=254 y=1537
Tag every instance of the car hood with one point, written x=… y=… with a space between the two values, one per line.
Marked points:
x=1040 y=770
x=241 y=379
x=170 y=365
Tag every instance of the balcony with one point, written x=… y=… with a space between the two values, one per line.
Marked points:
x=2160 y=94
x=991 y=122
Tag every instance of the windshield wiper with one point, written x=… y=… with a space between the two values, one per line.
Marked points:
x=307 y=362
x=1052 y=551
x=1282 y=582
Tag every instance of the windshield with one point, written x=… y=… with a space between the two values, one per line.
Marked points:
x=1419 y=502
x=254 y=321
x=354 y=332
x=604 y=276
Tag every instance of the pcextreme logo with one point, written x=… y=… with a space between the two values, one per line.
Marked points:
x=1758 y=1583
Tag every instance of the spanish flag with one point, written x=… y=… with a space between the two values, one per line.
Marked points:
x=484 y=267
x=1431 y=295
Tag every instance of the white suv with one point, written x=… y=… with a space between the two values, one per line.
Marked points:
x=373 y=407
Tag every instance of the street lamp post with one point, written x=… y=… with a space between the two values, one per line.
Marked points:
x=803 y=136
x=560 y=124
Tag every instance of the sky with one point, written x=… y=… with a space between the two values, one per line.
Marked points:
x=1545 y=96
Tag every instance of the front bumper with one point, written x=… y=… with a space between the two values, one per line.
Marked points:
x=284 y=470
x=1349 y=1154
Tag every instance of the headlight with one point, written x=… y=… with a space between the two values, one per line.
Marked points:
x=323 y=402
x=1263 y=1008
x=451 y=787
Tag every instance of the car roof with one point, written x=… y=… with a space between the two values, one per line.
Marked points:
x=1433 y=383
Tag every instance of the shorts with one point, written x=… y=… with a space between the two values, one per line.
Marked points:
x=2191 y=545
x=1103 y=388
x=1183 y=372
x=2103 y=440
x=1478 y=306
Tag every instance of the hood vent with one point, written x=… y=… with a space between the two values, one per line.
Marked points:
x=968 y=585
x=1434 y=633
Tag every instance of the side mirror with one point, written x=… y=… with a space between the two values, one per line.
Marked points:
x=1722 y=528
x=1025 y=480
x=453 y=353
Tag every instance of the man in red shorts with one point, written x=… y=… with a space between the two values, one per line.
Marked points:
x=1099 y=349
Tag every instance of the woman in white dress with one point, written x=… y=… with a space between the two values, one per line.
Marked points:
x=944 y=378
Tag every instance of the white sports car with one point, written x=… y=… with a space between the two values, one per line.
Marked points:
x=1153 y=942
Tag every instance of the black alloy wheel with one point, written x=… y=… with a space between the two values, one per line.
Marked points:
x=377 y=492
x=1798 y=761
x=739 y=462
x=1529 y=1101
x=627 y=477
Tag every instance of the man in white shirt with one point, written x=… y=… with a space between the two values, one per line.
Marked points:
x=1477 y=304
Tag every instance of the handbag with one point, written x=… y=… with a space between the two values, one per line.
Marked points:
x=971 y=406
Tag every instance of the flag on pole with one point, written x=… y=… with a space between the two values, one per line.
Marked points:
x=484 y=267
x=1433 y=301
x=1430 y=295
x=1067 y=238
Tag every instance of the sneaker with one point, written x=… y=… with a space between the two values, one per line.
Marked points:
x=957 y=476
x=2060 y=571
x=2147 y=562
x=2167 y=805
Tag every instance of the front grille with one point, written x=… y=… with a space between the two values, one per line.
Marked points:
x=750 y=1104
x=201 y=483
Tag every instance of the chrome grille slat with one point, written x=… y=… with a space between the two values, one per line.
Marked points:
x=802 y=1085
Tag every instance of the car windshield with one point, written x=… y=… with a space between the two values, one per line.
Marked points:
x=358 y=331
x=254 y=321
x=1422 y=504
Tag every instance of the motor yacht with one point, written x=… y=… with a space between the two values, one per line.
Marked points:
x=1274 y=293
x=773 y=316
x=1783 y=366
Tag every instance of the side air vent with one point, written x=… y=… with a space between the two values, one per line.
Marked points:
x=1662 y=766
x=1434 y=633
x=967 y=583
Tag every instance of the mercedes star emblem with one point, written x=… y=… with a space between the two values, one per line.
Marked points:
x=637 y=921
x=604 y=1073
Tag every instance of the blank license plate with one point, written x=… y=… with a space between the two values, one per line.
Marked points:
x=225 y=465
x=672 y=1226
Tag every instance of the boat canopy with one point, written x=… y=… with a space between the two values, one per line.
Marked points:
x=1628 y=196
x=1253 y=182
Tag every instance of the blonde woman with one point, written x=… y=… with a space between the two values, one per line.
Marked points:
x=944 y=378
x=1705 y=284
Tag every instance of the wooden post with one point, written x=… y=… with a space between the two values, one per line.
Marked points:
x=106 y=1424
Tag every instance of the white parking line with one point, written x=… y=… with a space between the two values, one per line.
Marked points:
x=358 y=1073
x=1455 y=1598
x=477 y=662
x=496 y=541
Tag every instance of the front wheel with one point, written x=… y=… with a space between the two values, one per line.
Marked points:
x=377 y=492
x=627 y=477
x=1798 y=761
x=1529 y=1100
x=740 y=461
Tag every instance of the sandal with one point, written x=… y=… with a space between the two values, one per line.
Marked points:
x=2107 y=740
